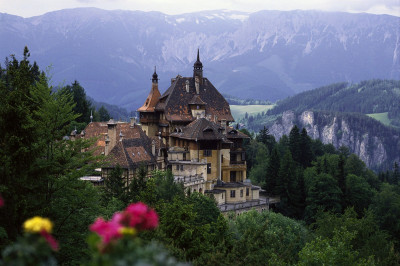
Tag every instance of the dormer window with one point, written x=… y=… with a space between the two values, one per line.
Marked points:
x=198 y=107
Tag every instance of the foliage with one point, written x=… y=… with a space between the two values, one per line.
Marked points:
x=368 y=239
x=266 y=239
x=83 y=105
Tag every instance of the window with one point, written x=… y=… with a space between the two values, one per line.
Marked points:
x=247 y=192
x=222 y=158
x=243 y=156
x=241 y=193
x=209 y=168
x=233 y=176
x=184 y=156
x=233 y=193
x=177 y=167
x=207 y=153
x=182 y=167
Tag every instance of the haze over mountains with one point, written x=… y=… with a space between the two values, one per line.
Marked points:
x=262 y=55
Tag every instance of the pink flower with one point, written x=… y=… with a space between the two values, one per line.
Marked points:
x=1 y=201
x=50 y=240
x=140 y=216
x=134 y=214
x=151 y=220
x=107 y=230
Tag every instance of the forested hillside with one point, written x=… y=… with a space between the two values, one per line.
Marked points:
x=366 y=97
x=333 y=209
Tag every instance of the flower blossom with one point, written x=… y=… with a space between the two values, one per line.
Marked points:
x=43 y=226
x=107 y=230
x=50 y=240
x=140 y=216
x=38 y=224
x=1 y=201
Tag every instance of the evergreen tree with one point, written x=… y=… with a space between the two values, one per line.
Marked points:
x=115 y=184
x=294 y=144
x=266 y=138
x=396 y=173
x=306 y=156
x=103 y=114
x=272 y=173
x=83 y=105
x=341 y=174
x=138 y=184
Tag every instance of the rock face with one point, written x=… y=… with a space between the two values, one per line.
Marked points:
x=335 y=130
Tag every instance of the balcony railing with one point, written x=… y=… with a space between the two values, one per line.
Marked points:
x=238 y=162
x=244 y=205
x=189 y=179
x=148 y=120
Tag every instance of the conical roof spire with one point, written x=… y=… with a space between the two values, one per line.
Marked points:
x=198 y=64
x=155 y=76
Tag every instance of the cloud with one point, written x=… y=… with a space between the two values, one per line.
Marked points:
x=19 y=7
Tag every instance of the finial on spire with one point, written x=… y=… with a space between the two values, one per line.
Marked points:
x=91 y=116
x=155 y=76
x=198 y=66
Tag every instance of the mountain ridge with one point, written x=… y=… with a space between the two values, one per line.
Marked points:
x=267 y=55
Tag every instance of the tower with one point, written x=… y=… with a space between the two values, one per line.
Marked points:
x=198 y=68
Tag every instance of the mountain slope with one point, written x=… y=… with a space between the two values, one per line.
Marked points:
x=266 y=55
x=366 y=97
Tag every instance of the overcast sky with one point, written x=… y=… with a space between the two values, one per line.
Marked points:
x=28 y=8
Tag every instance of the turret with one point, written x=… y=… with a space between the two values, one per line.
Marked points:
x=198 y=68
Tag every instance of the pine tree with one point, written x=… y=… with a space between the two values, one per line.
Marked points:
x=103 y=114
x=272 y=174
x=115 y=184
x=294 y=144
x=305 y=149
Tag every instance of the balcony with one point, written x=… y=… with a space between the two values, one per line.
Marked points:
x=237 y=162
x=148 y=120
x=189 y=180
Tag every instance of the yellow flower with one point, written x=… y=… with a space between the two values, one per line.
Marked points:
x=38 y=224
x=127 y=231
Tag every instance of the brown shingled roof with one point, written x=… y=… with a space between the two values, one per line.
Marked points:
x=151 y=101
x=129 y=153
x=200 y=129
x=196 y=100
x=232 y=133
x=100 y=129
x=174 y=102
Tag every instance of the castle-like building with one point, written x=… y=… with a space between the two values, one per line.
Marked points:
x=185 y=129
x=192 y=119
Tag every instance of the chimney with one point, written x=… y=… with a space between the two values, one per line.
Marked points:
x=153 y=148
x=106 y=148
x=133 y=121
x=223 y=125
x=197 y=115
x=187 y=85
x=121 y=136
x=197 y=84
x=112 y=133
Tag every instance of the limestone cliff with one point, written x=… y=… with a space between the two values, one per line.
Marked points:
x=372 y=147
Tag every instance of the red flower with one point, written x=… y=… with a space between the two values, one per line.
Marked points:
x=1 y=201
x=50 y=240
x=151 y=220
x=107 y=230
x=140 y=216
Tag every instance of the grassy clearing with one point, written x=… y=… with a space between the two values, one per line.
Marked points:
x=239 y=111
x=381 y=117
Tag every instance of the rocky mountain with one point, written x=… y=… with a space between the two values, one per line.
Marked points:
x=267 y=55
x=378 y=146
